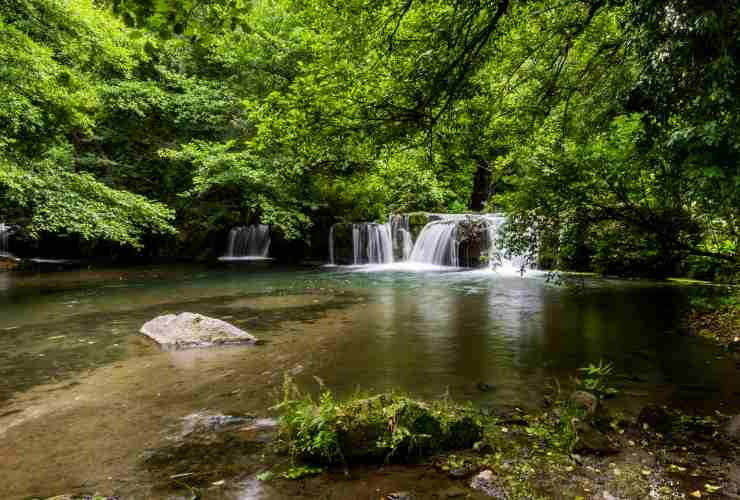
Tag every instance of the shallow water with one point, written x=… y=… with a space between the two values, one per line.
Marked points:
x=77 y=380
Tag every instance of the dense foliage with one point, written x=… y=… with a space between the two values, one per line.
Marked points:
x=608 y=130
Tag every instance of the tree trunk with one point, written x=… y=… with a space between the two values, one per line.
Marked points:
x=481 y=185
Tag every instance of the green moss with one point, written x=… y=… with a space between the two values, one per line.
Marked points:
x=417 y=221
x=375 y=429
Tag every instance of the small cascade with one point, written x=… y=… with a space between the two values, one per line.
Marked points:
x=5 y=232
x=370 y=242
x=403 y=243
x=248 y=242
x=464 y=240
x=497 y=259
x=438 y=244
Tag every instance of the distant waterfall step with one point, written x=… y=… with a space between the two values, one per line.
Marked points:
x=248 y=243
x=360 y=243
x=6 y=230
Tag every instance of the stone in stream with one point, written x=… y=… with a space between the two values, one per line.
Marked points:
x=189 y=330
x=400 y=495
x=592 y=441
x=487 y=483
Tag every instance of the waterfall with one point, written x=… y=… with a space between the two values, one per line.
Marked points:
x=402 y=241
x=371 y=243
x=248 y=242
x=497 y=259
x=437 y=244
x=452 y=240
x=5 y=231
x=463 y=240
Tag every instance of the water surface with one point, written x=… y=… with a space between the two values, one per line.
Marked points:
x=78 y=379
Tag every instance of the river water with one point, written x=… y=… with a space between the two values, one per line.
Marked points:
x=84 y=397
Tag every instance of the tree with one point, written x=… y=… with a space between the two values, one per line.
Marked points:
x=52 y=55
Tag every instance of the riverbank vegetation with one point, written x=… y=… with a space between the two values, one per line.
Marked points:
x=606 y=130
x=718 y=318
x=575 y=446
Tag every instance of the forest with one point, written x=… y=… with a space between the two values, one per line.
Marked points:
x=369 y=249
x=606 y=130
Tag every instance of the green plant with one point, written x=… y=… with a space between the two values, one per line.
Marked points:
x=595 y=379
x=309 y=428
x=376 y=428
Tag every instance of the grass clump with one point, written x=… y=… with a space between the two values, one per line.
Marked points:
x=386 y=427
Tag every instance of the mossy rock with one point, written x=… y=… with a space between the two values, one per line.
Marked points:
x=381 y=428
x=417 y=221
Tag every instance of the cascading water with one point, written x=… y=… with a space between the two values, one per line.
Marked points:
x=497 y=259
x=248 y=242
x=5 y=231
x=437 y=244
x=451 y=240
x=371 y=243
x=464 y=240
x=402 y=241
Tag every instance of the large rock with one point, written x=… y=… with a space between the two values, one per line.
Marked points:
x=188 y=330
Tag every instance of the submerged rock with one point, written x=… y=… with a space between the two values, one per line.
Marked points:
x=188 y=330
x=202 y=422
x=400 y=495
x=488 y=483
x=82 y=497
x=592 y=441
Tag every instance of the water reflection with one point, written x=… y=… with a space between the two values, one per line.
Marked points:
x=423 y=332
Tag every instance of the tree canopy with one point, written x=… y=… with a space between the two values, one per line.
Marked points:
x=607 y=130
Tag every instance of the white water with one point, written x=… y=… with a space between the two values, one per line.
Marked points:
x=437 y=244
x=402 y=241
x=371 y=243
x=5 y=230
x=248 y=242
x=390 y=246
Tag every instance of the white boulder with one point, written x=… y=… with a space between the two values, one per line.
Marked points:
x=187 y=330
